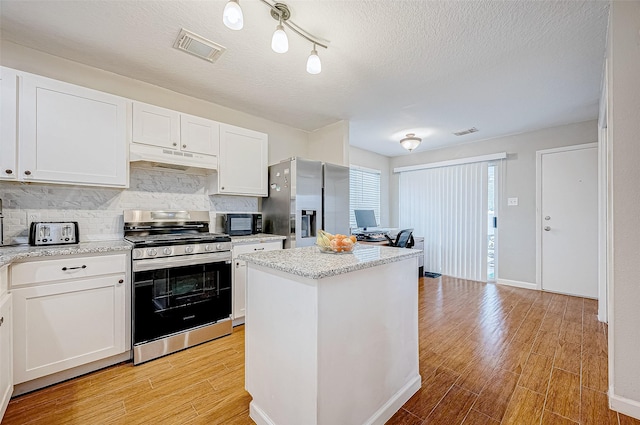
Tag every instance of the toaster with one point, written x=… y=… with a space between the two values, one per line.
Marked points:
x=53 y=233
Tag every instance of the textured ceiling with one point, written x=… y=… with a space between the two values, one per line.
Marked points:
x=392 y=67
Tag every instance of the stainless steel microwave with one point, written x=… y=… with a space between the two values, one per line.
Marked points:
x=243 y=224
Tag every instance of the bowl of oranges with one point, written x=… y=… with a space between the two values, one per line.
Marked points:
x=335 y=244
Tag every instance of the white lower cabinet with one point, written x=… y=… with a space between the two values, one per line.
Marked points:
x=6 y=353
x=77 y=317
x=240 y=274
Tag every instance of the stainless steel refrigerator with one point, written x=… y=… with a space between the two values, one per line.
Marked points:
x=304 y=197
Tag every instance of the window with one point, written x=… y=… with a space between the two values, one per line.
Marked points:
x=364 y=192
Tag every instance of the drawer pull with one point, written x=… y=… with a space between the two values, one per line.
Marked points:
x=64 y=269
x=258 y=249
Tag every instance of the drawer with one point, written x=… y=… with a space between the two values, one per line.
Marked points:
x=256 y=247
x=66 y=268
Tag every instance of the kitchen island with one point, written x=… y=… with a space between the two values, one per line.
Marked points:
x=331 y=338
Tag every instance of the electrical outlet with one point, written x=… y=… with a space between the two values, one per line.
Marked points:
x=512 y=202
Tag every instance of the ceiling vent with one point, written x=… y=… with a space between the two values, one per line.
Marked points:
x=467 y=131
x=198 y=46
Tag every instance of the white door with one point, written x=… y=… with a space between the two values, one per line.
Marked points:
x=71 y=134
x=242 y=167
x=63 y=325
x=568 y=220
x=156 y=126
x=199 y=135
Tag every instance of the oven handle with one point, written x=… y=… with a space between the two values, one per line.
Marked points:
x=185 y=260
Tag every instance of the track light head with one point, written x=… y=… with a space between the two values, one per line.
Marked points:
x=232 y=15
x=314 y=66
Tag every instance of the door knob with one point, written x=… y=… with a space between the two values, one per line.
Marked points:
x=547 y=228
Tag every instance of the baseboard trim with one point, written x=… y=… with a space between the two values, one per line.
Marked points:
x=395 y=402
x=624 y=405
x=258 y=415
x=517 y=284
x=380 y=417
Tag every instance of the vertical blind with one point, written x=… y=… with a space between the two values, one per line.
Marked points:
x=364 y=192
x=448 y=206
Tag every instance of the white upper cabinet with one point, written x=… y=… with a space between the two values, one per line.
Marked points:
x=70 y=134
x=242 y=167
x=8 y=127
x=156 y=126
x=199 y=135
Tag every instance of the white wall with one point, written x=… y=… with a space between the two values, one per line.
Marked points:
x=375 y=161
x=284 y=141
x=624 y=130
x=330 y=143
x=516 y=225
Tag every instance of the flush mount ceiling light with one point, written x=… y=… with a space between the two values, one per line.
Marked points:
x=233 y=19
x=410 y=142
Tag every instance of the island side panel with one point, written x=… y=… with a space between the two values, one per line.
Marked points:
x=368 y=343
x=281 y=347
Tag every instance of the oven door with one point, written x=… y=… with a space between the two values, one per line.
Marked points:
x=172 y=295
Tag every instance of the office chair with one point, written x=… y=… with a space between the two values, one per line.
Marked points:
x=404 y=239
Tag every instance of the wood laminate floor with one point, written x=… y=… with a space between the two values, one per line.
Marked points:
x=488 y=355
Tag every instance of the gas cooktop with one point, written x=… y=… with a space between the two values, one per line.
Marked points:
x=177 y=238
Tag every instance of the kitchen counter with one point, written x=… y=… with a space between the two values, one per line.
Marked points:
x=9 y=254
x=258 y=238
x=331 y=338
x=310 y=263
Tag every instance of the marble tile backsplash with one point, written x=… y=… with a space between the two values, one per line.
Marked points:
x=98 y=211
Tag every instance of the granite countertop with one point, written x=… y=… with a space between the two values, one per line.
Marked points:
x=20 y=252
x=258 y=238
x=309 y=262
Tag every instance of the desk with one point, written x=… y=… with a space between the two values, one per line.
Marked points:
x=378 y=243
x=418 y=243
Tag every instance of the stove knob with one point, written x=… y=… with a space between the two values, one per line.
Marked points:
x=218 y=246
x=137 y=253
x=166 y=251
x=188 y=249
x=151 y=252
x=207 y=248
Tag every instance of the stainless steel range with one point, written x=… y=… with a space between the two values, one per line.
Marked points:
x=181 y=281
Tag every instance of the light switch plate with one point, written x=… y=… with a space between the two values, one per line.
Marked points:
x=512 y=202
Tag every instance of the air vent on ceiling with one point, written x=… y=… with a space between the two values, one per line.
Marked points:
x=467 y=131
x=198 y=46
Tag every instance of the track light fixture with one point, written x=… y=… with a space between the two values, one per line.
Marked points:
x=233 y=19
x=410 y=142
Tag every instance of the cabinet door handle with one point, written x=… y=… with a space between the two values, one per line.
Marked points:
x=64 y=269
x=258 y=249
x=28 y=173
x=184 y=146
x=8 y=171
x=121 y=281
x=1 y=320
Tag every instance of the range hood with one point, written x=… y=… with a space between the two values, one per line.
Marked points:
x=170 y=158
